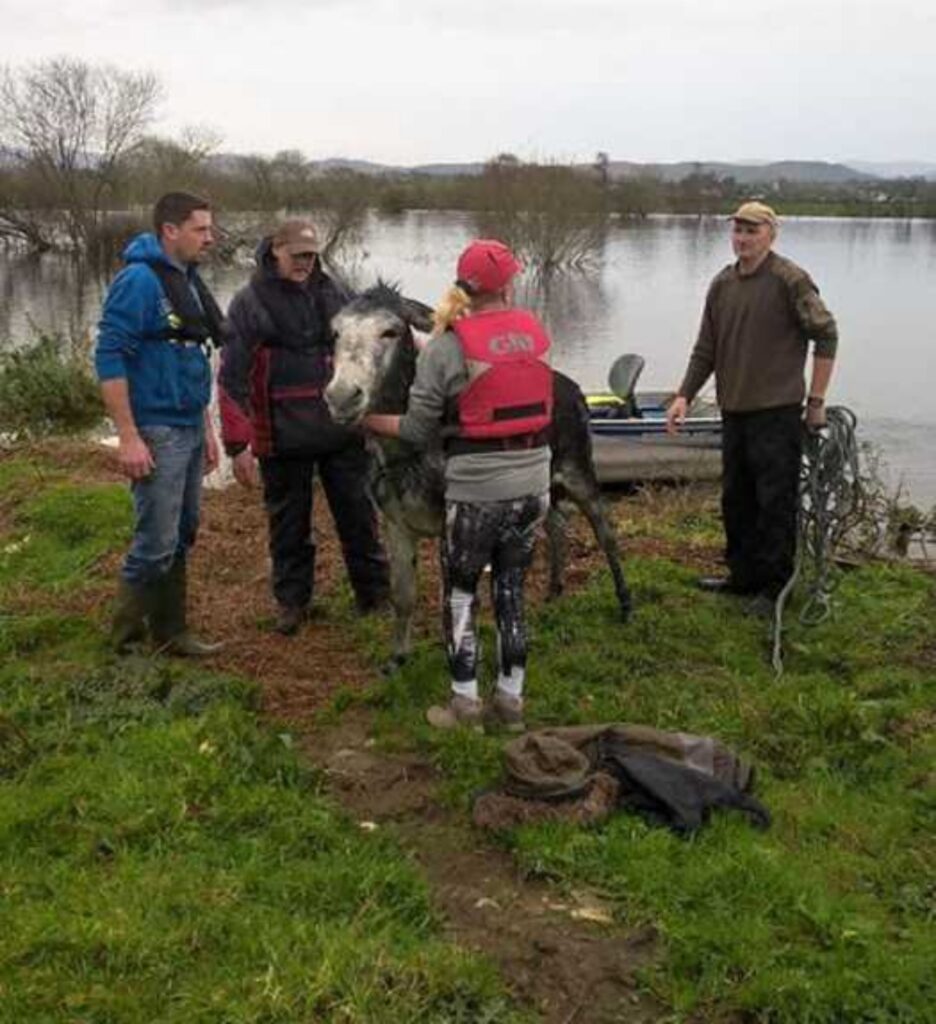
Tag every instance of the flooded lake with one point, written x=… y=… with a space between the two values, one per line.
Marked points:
x=877 y=276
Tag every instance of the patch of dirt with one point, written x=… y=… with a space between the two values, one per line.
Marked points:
x=921 y=723
x=563 y=956
x=560 y=955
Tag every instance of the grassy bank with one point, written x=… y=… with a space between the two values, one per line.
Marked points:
x=827 y=917
x=164 y=856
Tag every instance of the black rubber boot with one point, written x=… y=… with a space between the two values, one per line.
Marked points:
x=289 y=619
x=128 y=627
x=168 y=621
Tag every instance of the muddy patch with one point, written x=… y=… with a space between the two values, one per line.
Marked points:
x=561 y=954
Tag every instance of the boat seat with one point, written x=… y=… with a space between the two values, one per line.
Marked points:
x=622 y=380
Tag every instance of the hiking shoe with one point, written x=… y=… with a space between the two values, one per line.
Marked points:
x=460 y=712
x=506 y=712
x=761 y=606
x=288 y=619
x=372 y=604
x=720 y=585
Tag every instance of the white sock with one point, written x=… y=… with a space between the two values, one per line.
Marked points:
x=512 y=685
x=469 y=689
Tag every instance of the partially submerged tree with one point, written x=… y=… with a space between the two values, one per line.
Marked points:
x=70 y=126
x=553 y=216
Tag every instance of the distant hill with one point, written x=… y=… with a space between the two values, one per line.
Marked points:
x=358 y=166
x=440 y=170
x=814 y=171
x=896 y=169
x=803 y=171
x=745 y=173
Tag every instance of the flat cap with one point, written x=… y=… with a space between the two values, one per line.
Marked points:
x=755 y=213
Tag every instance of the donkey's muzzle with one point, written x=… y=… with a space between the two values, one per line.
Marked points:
x=346 y=403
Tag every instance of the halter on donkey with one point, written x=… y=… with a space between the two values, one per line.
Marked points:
x=375 y=363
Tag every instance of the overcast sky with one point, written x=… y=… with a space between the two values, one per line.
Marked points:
x=428 y=81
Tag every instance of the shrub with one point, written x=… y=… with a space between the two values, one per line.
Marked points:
x=47 y=388
x=553 y=217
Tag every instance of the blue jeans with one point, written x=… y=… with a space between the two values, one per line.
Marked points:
x=166 y=503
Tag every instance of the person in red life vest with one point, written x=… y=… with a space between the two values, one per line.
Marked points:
x=484 y=379
x=277 y=361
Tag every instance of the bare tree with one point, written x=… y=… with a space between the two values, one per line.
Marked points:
x=159 y=165
x=70 y=127
x=553 y=216
x=602 y=167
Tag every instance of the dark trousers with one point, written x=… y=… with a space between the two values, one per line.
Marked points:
x=502 y=534
x=287 y=494
x=761 y=454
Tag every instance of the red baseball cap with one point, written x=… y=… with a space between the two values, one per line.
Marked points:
x=486 y=266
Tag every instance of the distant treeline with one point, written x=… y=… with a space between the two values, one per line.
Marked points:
x=75 y=151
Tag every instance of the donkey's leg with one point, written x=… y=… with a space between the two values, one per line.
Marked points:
x=401 y=551
x=583 y=489
x=558 y=548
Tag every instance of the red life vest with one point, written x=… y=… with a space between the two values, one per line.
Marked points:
x=510 y=385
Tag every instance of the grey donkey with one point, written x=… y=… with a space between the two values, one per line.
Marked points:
x=375 y=363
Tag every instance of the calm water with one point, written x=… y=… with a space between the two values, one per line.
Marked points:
x=878 y=277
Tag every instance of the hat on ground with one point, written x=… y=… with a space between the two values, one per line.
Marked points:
x=295 y=236
x=755 y=213
x=486 y=266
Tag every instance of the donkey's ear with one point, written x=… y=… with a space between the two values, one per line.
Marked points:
x=417 y=314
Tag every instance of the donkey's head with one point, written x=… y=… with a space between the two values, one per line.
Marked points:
x=375 y=356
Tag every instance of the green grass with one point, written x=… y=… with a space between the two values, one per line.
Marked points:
x=827 y=917
x=164 y=855
x=165 y=859
x=60 y=530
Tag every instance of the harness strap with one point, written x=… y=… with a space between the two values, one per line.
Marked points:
x=515 y=442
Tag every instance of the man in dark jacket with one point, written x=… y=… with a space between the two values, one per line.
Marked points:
x=277 y=362
x=157 y=321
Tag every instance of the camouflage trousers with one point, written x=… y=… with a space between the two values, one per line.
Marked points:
x=477 y=534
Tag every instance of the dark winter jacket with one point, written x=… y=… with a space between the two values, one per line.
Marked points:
x=277 y=361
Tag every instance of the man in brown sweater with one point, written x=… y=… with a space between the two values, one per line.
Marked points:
x=760 y=313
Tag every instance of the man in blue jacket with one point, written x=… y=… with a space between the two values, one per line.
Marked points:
x=152 y=361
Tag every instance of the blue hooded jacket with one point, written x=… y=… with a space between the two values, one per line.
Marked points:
x=169 y=383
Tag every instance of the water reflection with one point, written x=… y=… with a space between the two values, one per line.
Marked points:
x=567 y=303
x=647 y=296
x=45 y=295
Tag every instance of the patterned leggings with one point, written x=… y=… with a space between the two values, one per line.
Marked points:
x=499 y=533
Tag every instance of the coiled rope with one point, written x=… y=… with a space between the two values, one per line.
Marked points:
x=832 y=502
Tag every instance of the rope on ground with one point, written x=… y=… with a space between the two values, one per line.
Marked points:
x=832 y=500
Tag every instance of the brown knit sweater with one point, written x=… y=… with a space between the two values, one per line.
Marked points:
x=754 y=335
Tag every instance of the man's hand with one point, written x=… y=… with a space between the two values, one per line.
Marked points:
x=212 y=453
x=244 y=465
x=382 y=424
x=815 y=413
x=134 y=459
x=676 y=414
